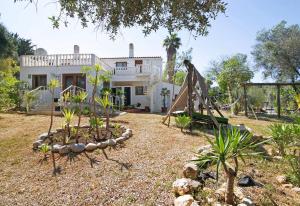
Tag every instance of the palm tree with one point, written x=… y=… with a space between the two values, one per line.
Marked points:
x=105 y=103
x=171 y=43
x=164 y=93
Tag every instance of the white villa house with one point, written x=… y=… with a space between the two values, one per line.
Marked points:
x=140 y=78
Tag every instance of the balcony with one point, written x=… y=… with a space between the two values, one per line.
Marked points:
x=132 y=71
x=57 y=60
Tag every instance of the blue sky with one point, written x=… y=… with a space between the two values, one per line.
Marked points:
x=232 y=33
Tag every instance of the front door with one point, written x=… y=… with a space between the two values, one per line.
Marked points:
x=127 y=94
x=78 y=80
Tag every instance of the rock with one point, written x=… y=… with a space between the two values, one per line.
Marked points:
x=65 y=149
x=181 y=186
x=59 y=130
x=90 y=147
x=126 y=134
x=247 y=181
x=190 y=170
x=129 y=131
x=111 y=142
x=185 y=200
x=36 y=144
x=243 y=128
x=220 y=193
x=281 y=179
x=56 y=147
x=194 y=185
x=296 y=189
x=85 y=126
x=43 y=136
x=121 y=139
x=77 y=148
x=278 y=157
x=102 y=145
x=288 y=186
x=247 y=202
x=204 y=149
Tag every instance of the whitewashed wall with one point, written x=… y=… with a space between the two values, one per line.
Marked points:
x=157 y=99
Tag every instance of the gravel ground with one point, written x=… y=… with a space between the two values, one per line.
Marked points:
x=139 y=174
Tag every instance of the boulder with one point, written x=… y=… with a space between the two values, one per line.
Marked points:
x=111 y=142
x=56 y=147
x=204 y=149
x=77 y=148
x=247 y=202
x=36 y=144
x=129 y=131
x=195 y=185
x=288 y=186
x=90 y=147
x=43 y=136
x=220 y=193
x=243 y=128
x=190 y=170
x=181 y=186
x=281 y=179
x=102 y=145
x=296 y=189
x=121 y=139
x=65 y=149
x=126 y=134
x=185 y=200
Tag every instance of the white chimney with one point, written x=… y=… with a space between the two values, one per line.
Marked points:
x=76 y=49
x=131 y=50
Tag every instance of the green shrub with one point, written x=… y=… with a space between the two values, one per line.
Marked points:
x=293 y=174
x=282 y=136
x=183 y=121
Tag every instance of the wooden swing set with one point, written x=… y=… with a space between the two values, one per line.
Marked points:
x=194 y=84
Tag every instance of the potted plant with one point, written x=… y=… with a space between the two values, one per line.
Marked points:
x=164 y=93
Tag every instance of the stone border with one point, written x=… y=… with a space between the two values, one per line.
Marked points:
x=81 y=147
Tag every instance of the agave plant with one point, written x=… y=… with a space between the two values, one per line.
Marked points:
x=105 y=103
x=182 y=121
x=228 y=147
x=68 y=116
x=79 y=99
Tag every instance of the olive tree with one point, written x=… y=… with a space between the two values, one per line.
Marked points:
x=230 y=73
x=193 y=16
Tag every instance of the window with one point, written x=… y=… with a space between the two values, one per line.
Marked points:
x=39 y=80
x=121 y=64
x=139 y=90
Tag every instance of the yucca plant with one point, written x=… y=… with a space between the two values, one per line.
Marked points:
x=183 y=121
x=45 y=149
x=120 y=95
x=53 y=84
x=68 y=116
x=79 y=99
x=105 y=103
x=282 y=136
x=93 y=75
x=228 y=147
x=28 y=98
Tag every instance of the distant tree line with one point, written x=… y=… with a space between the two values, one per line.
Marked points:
x=11 y=47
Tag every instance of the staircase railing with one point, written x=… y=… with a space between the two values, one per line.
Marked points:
x=41 y=96
x=72 y=90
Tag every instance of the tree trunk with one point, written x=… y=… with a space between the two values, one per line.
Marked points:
x=171 y=57
x=51 y=115
x=94 y=105
x=230 y=96
x=229 y=196
x=107 y=119
x=79 y=119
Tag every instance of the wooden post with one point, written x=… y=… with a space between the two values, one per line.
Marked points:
x=278 y=101
x=190 y=93
x=245 y=99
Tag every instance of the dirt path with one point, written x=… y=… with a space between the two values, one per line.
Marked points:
x=139 y=174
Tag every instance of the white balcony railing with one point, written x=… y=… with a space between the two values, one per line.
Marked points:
x=139 y=70
x=57 y=60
